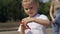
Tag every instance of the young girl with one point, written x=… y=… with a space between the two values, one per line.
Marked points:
x=35 y=21
x=55 y=16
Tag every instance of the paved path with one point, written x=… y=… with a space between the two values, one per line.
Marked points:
x=9 y=32
x=15 y=32
x=49 y=31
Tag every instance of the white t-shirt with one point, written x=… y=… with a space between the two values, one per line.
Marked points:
x=35 y=27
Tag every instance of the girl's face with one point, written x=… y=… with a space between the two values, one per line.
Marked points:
x=30 y=9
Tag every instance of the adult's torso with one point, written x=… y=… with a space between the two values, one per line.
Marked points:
x=56 y=7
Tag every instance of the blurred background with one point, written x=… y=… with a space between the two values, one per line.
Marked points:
x=11 y=10
x=11 y=13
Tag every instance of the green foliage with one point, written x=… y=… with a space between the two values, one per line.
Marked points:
x=44 y=8
x=12 y=10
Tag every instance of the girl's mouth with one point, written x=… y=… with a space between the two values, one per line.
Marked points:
x=30 y=12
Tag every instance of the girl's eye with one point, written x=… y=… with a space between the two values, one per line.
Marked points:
x=29 y=8
x=26 y=8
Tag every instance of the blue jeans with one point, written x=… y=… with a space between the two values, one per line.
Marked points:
x=58 y=20
x=56 y=26
x=55 y=29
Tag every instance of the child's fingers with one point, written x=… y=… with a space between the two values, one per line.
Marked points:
x=27 y=27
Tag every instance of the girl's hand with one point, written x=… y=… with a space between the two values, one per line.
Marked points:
x=25 y=26
x=27 y=20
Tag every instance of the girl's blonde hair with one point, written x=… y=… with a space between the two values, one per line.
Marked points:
x=29 y=1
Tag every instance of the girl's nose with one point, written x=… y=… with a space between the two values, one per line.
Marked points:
x=29 y=9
